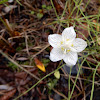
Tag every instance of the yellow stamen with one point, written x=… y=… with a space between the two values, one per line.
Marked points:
x=72 y=45
x=67 y=39
x=61 y=42
x=62 y=49
x=68 y=50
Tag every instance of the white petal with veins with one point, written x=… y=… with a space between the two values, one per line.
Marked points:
x=70 y=58
x=55 y=40
x=56 y=54
x=68 y=34
x=78 y=45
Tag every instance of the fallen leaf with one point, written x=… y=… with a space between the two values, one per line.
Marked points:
x=22 y=58
x=9 y=8
x=82 y=31
x=5 y=87
x=39 y=64
x=8 y=95
x=92 y=1
x=58 y=5
x=10 y=29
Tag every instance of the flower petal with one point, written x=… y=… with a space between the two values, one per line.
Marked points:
x=55 y=40
x=78 y=45
x=70 y=58
x=68 y=33
x=56 y=54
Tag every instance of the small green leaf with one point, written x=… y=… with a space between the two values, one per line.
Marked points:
x=57 y=74
x=52 y=84
x=45 y=61
x=44 y=6
x=3 y=1
x=13 y=66
x=39 y=15
x=32 y=12
x=49 y=7
x=18 y=49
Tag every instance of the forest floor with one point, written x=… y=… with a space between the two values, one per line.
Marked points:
x=26 y=72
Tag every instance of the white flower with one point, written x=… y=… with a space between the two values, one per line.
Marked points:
x=66 y=46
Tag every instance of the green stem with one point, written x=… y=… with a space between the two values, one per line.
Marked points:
x=40 y=81
x=69 y=83
x=76 y=79
x=54 y=9
x=19 y=65
x=93 y=81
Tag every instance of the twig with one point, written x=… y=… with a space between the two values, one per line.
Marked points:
x=18 y=65
x=59 y=67
x=39 y=52
x=81 y=79
x=90 y=68
x=60 y=94
x=70 y=78
x=26 y=42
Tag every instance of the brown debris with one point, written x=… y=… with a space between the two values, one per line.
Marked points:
x=82 y=31
x=8 y=95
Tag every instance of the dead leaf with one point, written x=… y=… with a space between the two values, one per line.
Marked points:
x=22 y=90
x=39 y=64
x=58 y=5
x=5 y=87
x=8 y=95
x=23 y=75
x=92 y=1
x=22 y=58
x=82 y=31
x=9 y=8
x=93 y=6
x=10 y=29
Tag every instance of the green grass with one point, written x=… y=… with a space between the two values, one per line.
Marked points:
x=3 y=1
x=93 y=47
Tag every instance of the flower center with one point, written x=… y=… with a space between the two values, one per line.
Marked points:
x=67 y=39
x=65 y=50
x=61 y=42
x=72 y=45
x=65 y=46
